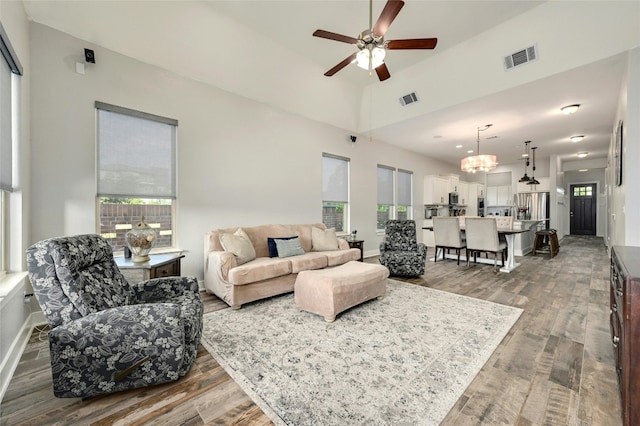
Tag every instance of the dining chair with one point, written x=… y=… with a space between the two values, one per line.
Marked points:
x=504 y=222
x=482 y=236
x=447 y=235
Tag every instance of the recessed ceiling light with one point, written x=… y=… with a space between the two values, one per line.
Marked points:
x=576 y=138
x=582 y=154
x=458 y=146
x=583 y=170
x=470 y=151
x=525 y=155
x=570 y=109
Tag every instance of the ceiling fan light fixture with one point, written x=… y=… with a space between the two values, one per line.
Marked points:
x=575 y=139
x=375 y=54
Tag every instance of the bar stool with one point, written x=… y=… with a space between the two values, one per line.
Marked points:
x=539 y=246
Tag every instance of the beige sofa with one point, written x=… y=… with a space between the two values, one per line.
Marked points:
x=264 y=276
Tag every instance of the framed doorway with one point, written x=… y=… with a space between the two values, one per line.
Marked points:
x=583 y=205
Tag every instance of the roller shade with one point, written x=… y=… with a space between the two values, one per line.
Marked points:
x=405 y=188
x=335 y=178
x=385 y=185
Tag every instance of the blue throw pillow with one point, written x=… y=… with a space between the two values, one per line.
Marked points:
x=289 y=247
x=271 y=242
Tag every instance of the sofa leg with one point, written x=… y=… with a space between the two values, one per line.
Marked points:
x=236 y=307
x=330 y=319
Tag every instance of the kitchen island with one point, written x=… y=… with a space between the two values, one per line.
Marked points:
x=523 y=243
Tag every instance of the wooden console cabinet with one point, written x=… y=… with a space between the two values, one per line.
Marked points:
x=159 y=266
x=625 y=327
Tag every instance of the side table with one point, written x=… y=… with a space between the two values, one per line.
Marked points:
x=158 y=266
x=359 y=244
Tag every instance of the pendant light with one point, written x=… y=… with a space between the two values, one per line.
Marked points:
x=525 y=178
x=479 y=163
x=533 y=180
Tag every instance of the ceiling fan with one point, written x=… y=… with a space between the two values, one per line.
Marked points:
x=371 y=44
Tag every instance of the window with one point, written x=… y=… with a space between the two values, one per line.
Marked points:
x=10 y=70
x=335 y=192
x=395 y=195
x=405 y=195
x=385 y=196
x=582 y=191
x=136 y=173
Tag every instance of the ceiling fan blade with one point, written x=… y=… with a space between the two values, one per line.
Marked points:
x=412 y=43
x=389 y=13
x=333 y=36
x=341 y=65
x=383 y=72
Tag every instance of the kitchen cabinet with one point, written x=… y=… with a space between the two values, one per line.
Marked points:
x=474 y=191
x=454 y=183
x=499 y=195
x=436 y=190
x=624 y=319
x=463 y=193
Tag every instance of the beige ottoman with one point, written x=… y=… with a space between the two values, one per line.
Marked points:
x=329 y=291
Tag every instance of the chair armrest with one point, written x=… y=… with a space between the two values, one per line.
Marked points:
x=422 y=249
x=163 y=289
x=382 y=247
x=117 y=348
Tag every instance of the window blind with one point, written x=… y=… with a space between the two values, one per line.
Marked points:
x=404 y=188
x=6 y=169
x=385 y=185
x=335 y=178
x=136 y=153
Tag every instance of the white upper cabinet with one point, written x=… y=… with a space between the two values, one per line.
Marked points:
x=436 y=190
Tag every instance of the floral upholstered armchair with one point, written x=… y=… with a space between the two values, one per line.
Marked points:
x=399 y=250
x=108 y=335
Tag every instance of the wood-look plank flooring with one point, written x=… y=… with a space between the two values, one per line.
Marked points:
x=555 y=367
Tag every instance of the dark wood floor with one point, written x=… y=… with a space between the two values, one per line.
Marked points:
x=555 y=367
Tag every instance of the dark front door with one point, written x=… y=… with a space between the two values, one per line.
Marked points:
x=583 y=209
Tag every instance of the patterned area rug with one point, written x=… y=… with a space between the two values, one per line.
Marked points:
x=404 y=359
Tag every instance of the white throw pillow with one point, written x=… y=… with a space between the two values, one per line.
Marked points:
x=323 y=240
x=239 y=244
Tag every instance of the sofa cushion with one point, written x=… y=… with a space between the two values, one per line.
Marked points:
x=239 y=244
x=338 y=257
x=308 y=262
x=323 y=240
x=273 y=248
x=261 y=268
x=288 y=248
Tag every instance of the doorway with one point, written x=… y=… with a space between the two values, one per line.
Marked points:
x=583 y=205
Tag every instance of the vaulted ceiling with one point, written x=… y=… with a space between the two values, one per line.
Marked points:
x=264 y=50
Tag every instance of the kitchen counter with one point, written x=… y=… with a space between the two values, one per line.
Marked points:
x=523 y=243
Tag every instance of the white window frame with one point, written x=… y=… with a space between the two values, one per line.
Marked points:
x=337 y=194
x=9 y=148
x=160 y=190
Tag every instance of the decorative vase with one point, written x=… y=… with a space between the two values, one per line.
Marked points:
x=140 y=240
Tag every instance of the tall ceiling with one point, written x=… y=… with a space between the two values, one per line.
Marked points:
x=528 y=111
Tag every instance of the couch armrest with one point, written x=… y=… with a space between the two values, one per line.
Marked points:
x=117 y=348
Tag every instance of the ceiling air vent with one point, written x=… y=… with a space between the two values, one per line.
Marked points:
x=408 y=99
x=521 y=57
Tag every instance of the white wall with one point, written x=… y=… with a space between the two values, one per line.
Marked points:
x=240 y=162
x=624 y=200
x=15 y=316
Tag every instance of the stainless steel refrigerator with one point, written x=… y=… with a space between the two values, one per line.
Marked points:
x=533 y=206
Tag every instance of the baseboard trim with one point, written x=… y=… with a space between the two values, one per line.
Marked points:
x=18 y=345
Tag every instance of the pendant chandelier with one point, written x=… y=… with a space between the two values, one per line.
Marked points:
x=479 y=163
x=533 y=180
x=525 y=178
